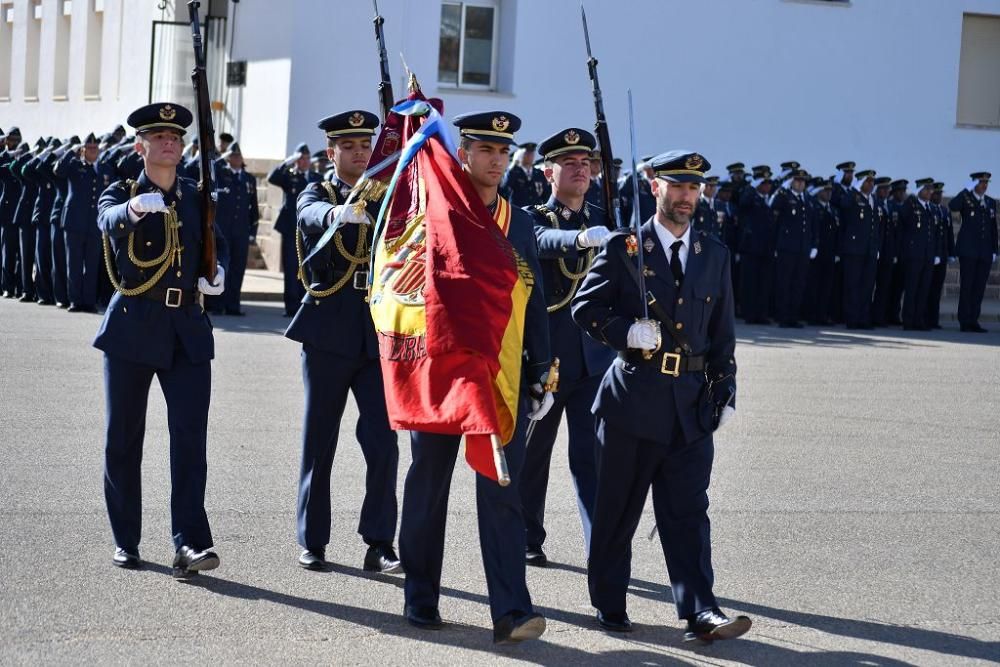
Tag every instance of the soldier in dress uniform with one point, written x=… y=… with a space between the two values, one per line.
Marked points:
x=22 y=220
x=10 y=246
x=524 y=184
x=888 y=254
x=647 y=204
x=709 y=218
x=672 y=385
x=738 y=177
x=238 y=220
x=843 y=182
x=38 y=170
x=568 y=230
x=594 y=195
x=976 y=247
x=897 y=195
x=60 y=263
x=796 y=243
x=292 y=176
x=155 y=326
x=485 y=140
x=725 y=207
x=340 y=352
x=826 y=221
x=87 y=179
x=859 y=249
x=918 y=251
x=757 y=246
x=946 y=249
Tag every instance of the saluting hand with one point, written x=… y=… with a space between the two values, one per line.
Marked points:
x=591 y=237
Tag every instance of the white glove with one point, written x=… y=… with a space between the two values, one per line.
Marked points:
x=591 y=237
x=836 y=259
x=937 y=260
x=216 y=288
x=895 y=260
x=349 y=215
x=952 y=260
x=994 y=258
x=878 y=255
x=813 y=253
x=540 y=406
x=644 y=335
x=151 y=202
x=727 y=413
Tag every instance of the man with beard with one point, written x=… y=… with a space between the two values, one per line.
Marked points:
x=340 y=352
x=486 y=138
x=672 y=385
x=568 y=230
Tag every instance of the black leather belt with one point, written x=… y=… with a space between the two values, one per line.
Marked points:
x=359 y=280
x=668 y=363
x=171 y=297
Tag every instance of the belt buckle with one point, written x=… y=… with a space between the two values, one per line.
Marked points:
x=361 y=280
x=665 y=367
x=174 y=297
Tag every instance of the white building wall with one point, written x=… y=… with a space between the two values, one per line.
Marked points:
x=875 y=81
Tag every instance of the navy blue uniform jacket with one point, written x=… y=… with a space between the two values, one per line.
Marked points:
x=138 y=329
x=634 y=396
x=977 y=236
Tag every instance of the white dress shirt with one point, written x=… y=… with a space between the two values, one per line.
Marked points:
x=667 y=239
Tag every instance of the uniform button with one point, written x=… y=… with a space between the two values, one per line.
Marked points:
x=677 y=350
x=178 y=274
x=680 y=302
x=593 y=324
x=121 y=226
x=708 y=299
x=149 y=243
x=680 y=325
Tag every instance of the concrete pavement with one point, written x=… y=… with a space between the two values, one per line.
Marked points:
x=854 y=506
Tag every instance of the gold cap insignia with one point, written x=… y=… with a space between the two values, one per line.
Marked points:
x=571 y=137
x=167 y=112
x=356 y=119
x=501 y=123
x=694 y=162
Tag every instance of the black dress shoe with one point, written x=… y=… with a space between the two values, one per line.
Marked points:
x=45 y=302
x=790 y=325
x=614 y=622
x=712 y=624
x=128 y=560
x=535 y=557
x=8 y=295
x=27 y=298
x=73 y=308
x=425 y=618
x=188 y=561
x=60 y=304
x=972 y=328
x=517 y=627
x=382 y=558
x=313 y=559
x=237 y=313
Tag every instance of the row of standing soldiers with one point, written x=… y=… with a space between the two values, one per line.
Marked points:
x=856 y=248
x=50 y=243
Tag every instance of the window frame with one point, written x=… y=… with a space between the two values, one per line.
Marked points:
x=494 y=46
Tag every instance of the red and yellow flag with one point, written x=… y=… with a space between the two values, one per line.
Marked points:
x=448 y=300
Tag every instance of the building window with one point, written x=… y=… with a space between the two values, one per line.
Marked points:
x=32 y=51
x=467 y=55
x=64 y=22
x=978 y=83
x=6 y=41
x=95 y=43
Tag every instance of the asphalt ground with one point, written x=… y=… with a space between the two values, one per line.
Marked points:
x=855 y=515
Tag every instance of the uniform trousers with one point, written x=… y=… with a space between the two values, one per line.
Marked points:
x=575 y=398
x=501 y=523
x=679 y=475
x=973 y=275
x=83 y=261
x=187 y=389
x=26 y=232
x=328 y=378
x=59 y=287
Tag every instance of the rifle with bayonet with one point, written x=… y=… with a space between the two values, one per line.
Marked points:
x=385 y=97
x=206 y=140
x=609 y=183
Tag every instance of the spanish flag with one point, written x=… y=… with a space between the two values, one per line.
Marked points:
x=448 y=297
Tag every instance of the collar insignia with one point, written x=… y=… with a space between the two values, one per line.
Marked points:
x=648 y=245
x=697 y=247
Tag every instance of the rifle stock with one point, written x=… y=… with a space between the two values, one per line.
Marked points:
x=206 y=142
x=609 y=184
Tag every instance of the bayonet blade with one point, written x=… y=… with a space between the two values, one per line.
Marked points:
x=586 y=31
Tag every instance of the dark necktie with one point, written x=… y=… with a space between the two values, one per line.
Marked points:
x=675 y=262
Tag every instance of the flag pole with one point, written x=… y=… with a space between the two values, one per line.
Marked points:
x=500 y=461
